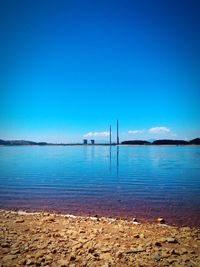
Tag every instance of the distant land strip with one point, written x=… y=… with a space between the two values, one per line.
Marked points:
x=195 y=141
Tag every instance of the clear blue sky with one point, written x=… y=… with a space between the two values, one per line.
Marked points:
x=69 y=68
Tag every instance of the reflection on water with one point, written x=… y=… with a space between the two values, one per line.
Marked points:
x=138 y=181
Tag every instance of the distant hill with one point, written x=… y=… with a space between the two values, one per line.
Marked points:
x=135 y=142
x=195 y=141
x=170 y=142
x=20 y=143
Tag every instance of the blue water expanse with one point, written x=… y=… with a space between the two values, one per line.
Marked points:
x=138 y=181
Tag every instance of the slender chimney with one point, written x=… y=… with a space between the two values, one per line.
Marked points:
x=117 y=133
x=110 y=136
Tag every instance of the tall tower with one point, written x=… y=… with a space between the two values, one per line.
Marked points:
x=117 y=133
x=110 y=136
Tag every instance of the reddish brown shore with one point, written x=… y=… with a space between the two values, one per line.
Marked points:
x=42 y=239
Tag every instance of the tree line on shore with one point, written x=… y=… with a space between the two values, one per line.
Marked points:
x=195 y=141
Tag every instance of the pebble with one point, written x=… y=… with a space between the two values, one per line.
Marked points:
x=29 y=262
x=63 y=263
x=158 y=257
x=171 y=240
x=8 y=258
x=19 y=221
x=160 y=220
x=158 y=244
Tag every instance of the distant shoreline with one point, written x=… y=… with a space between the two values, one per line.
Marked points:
x=159 y=142
x=92 y=145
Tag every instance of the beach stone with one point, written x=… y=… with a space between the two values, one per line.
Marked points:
x=15 y=251
x=158 y=257
x=50 y=218
x=136 y=236
x=171 y=260
x=5 y=245
x=22 y=262
x=39 y=255
x=158 y=244
x=72 y=257
x=91 y=250
x=119 y=254
x=19 y=220
x=183 y=251
x=171 y=240
x=105 y=265
x=63 y=263
x=9 y=258
x=29 y=262
x=174 y=252
x=136 y=250
x=106 y=256
x=160 y=220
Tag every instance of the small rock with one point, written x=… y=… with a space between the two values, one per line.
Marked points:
x=39 y=255
x=48 y=258
x=183 y=251
x=158 y=244
x=158 y=257
x=119 y=254
x=136 y=236
x=30 y=262
x=105 y=265
x=5 y=245
x=72 y=258
x=186 y=228
x=91 y=250
x=160 y=220
x=136 y=250
x=15 y=251
x=63 y=263
x=171 y=240
x=19 y=221
x=185 y=258
x=174 y=252
x=165 y=254
x=171 y=260
x=106 y=256
x=9 y=258
x=22 y=262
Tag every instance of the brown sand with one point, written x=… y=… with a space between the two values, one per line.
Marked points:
x=42 y=239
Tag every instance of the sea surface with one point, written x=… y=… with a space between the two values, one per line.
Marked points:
x=145 y=182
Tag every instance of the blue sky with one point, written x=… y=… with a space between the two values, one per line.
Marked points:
x=70 y=68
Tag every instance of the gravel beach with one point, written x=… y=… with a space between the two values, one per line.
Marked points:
x=42 y=239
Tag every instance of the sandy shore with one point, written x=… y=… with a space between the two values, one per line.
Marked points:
x=41 y=239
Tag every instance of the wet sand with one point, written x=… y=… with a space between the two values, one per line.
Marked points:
x=42 y=239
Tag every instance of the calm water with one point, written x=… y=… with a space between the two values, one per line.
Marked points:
x=140 y=181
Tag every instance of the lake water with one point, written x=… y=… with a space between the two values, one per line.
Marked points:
x=139 y=181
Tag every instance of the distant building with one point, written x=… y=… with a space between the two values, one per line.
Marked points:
x=92 y=141
x=85 y=141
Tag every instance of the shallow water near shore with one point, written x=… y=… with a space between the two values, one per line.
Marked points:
x=130 y=181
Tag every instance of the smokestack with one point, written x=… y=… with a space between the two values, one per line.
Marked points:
x=117 y=133
x=110 y=135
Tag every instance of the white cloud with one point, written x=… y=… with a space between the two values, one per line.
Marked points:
x=97 y=134
x=135 y=131
x=159 y=130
